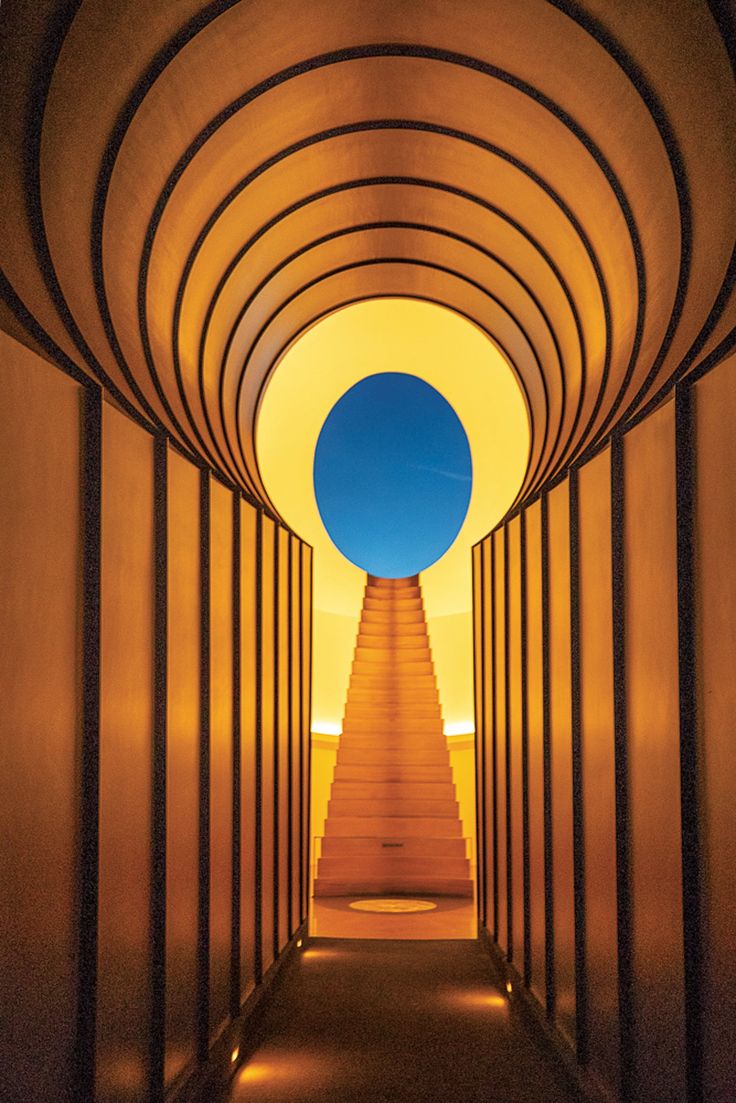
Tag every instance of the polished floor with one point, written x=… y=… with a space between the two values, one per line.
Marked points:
x=376 y=1021
x=450 y=917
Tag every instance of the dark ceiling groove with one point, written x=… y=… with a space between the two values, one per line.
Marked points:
x=55 y=35
x=325 y=136
x=636 y=76
x=356 y=54
x=630 y=315
x=483 y=204
x=368 y=264
x=334 y=235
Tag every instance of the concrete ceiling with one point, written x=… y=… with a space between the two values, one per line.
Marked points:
x=187 y=187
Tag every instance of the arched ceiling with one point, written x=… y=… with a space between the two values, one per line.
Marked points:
x=189 y=186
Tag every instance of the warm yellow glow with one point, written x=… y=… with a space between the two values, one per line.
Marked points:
x=323 y=759
x=482 y=999
x=234 y=1055
x=393 y=907
x=459 y=727
x=326 y=727
x=255 y=1072
x=457 y=359
x=509 y=987
x=495 y=1001
x=462 y=760
x=299 y=943
x=320 y=955
x=292 y=1069
x=451 y=638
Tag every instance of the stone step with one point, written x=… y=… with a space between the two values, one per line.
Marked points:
x=393 y=817
x=391 y=732
x=392 y=609
x=441 y=826
x=404 y=807
x=392 y=662
x=392 y=593
x=420 y=756
x=424 y=699
x=395 y=728
x=364 y=710
x=381 y=585
x=379 y=629
x=393 y=790
x=398 y=757
x=396 y=670
x=401 y=714
x=385 y=726
x=381 y=752
x=377 y=587
x=394 y=657
x=419 y=687
x=382 y=886
x=400 y=720
x=394 y=619
x=379 y=690
x=405 y=603
x=407 y=688
x=387 y=696
x=351 y=867
x=377 y=700
x=376 y=744
x=392 y=772
x=392 y=583
x=400 y=683
x=377 y=642
x=336 y=846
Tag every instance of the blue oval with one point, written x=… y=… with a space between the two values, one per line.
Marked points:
x=392 y=475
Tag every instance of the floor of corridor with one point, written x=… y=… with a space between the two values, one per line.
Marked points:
x=370 y=1021
x=450 y=917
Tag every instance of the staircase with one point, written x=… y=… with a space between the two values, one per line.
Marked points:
x=393 y=824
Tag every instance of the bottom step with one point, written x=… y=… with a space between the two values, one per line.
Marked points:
x=407 y=846
x=404 y=886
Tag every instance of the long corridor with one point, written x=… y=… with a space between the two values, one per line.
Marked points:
x=372 y=1021
x=287 y=289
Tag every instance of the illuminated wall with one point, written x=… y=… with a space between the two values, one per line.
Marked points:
x=561 y=174
x=605 y=701
x=457 y=359
x=156 y=715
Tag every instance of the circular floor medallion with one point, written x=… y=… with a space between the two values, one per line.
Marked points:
x=393 y=907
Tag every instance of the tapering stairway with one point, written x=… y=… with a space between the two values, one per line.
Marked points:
x=393 y=823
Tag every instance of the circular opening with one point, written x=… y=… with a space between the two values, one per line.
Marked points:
x=392 y=474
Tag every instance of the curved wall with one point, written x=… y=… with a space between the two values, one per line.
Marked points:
x=189 y=188
x=186 y=189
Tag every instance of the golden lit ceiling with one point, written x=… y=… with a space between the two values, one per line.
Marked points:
x=187 y=187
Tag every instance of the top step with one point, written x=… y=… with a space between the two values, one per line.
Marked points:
x=392 y=583
x=381 y=601
x=377 y=628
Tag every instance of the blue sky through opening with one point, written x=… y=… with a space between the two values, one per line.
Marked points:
x=392 y=474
